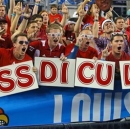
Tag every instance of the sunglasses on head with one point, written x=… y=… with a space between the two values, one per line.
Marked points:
x=87 y=36
x=54 y=34
x=22 y=42
x=117 y=33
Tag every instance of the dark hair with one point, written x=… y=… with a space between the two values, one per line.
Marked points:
x=90 y=7
x=114 y=35
x=18 y=35
x=53 y=26
x=54 y=6
x=30 y=22
x=33 y=17
x=118 y=19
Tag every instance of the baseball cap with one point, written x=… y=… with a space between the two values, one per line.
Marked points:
x=107 y=20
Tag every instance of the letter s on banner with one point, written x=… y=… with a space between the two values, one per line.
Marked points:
x=7 y=84
x=99 y=73
x=80 y=74
x=24 y=79
x=43 y=71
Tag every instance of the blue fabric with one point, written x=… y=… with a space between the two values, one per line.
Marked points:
x=73 y=54
x=37 y=106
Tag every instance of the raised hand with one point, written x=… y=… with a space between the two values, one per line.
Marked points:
x=18 y=8
x=64 y=9
x=82 y=12
x=83 y=3
x=1 y=33
x=105 y=52
x=27 y=11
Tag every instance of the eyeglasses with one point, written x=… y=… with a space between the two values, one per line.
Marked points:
x=117 y=33
x=55 y=34
x=87 y=36
x=22 y=42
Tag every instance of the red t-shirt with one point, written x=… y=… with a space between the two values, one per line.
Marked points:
x=7 y=57
x=70 y=35
x=42 y=33
x=124 y=57
x=7 y=43
x=90 y=53
x=56 y=17
x=9 y=25
x=90 y=19
x=42 y=49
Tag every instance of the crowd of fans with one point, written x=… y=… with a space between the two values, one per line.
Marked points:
x=57 y=35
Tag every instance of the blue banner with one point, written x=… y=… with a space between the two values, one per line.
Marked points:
x=48 y=105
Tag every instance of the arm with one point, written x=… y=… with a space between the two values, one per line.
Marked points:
x=23 y=25
x=15 y=21
x=79 y=21
x=12 y=4
x=65 y=14
x=35 y=9
x=95 y=29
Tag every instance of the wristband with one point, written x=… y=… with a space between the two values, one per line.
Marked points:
x=37 y=4
x=13 y=14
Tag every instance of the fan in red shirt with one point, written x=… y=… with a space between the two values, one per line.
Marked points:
x=17 y=54
x=116 y=54
x=5 y=39
x=3 y=15
x=89 y=17
x=48 y=48
x=54 y=15
x=82 y=48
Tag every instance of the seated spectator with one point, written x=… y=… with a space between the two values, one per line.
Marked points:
x=50 y=47
x=54 y=15
x=82 y=49
x=116 y=53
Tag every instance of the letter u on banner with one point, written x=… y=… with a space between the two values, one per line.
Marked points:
x=98 y=75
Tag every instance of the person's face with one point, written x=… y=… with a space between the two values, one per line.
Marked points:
x=33 y=28
x=54 y=37
x=21 y=45
x=120 y=23
x=108 y=27
x=104 y=5
x=88 y=28
x=45 y=17
x=3 y=25
x=71 y=26
x=2 y=11
x=95 y=9
x=87 y=38
x=117 y=44
x=54 y=10
x=39 y=22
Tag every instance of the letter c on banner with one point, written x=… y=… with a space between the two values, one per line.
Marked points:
x=43 y=72
x=7 y=84
x=80 y=73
